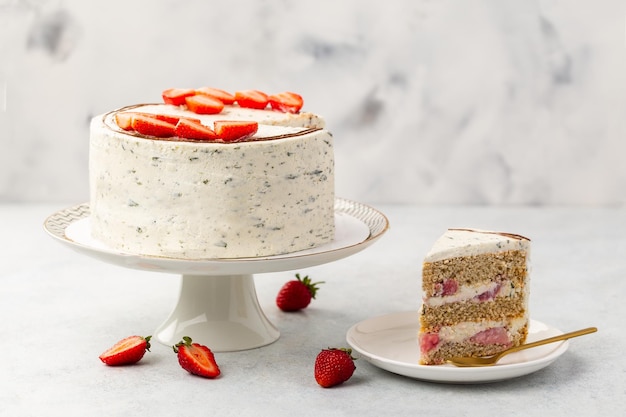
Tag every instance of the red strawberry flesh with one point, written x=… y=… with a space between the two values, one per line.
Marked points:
x=176 y=96
x=428 y=341
x=253 y=99
x=170 y=118
x=151 y=126
x=127 y=351
x=224 y=96
x=196 y=359
x=286 y=102
x=235 y=130
x=203 y=104
x=188 y=129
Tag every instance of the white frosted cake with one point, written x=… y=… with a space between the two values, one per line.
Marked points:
x=270 y=193
x=475 y=287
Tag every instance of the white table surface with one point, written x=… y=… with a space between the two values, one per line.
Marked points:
x=59 y=310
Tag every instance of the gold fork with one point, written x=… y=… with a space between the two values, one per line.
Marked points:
x=491 y=360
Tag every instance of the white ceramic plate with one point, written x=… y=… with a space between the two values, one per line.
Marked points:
x=357 y=226
x=390 y=342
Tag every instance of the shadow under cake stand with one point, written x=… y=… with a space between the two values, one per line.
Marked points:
x=217 y=303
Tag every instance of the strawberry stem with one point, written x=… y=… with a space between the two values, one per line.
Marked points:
x=346 y=350
x=185 y=342
x=312 y=286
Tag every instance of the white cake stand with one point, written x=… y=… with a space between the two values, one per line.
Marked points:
x=217 y=304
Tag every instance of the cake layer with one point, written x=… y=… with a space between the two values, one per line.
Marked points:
x=271 y=195
x=475 y=269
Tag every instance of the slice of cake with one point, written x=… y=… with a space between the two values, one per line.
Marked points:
x=475 y=295
x=204 y=179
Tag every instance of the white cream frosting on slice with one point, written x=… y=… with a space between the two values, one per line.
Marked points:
x=470 y=242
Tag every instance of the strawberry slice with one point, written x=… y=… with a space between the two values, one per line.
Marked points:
x=167 y=118
x=151 y=126
x=196 y=359
x=234 y=130
x=286 y=102
x=177 y=96
x=253 y=99
x=127 y=351
x=203 y=104
x=124 y=120
x=223 y=96
x=188 y=129
x=170 y=118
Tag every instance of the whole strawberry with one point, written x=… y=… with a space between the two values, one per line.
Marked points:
x=296 y=294
x=196 y=359
x=127 y=351
x=334 y=366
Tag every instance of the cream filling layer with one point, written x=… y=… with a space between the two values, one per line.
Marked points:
x=470 y=292
x=463 y=331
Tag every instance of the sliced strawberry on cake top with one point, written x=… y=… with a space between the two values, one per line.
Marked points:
x=177 y=96
x=235 y=130
x=224 y=96
x=188 y=129
x=151 y=126
x=253 y=99
x=124 y=120
x=287 y=102
x=203 y=104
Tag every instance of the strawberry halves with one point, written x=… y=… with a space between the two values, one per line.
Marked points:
x=196 y=359
x=127 y=351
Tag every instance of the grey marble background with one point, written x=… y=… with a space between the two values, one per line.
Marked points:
x=487 y=102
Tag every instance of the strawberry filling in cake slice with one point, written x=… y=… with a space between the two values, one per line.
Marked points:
x=475 y=288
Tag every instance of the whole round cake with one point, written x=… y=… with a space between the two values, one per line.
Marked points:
x=208 y=175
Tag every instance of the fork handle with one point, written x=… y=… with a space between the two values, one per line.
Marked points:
x=553 y=339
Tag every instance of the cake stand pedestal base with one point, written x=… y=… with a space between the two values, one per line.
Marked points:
x=220 y=311
x=217 y=303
